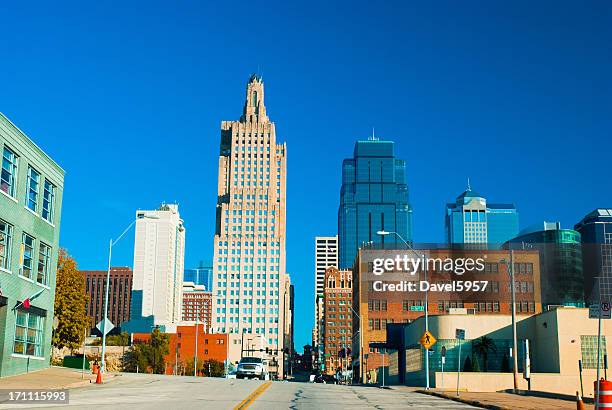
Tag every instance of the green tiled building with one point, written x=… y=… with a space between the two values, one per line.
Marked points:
x=31 y=187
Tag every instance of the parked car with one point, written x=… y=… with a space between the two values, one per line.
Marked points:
x=325 y=379
x=231 y=375
x=252 y=367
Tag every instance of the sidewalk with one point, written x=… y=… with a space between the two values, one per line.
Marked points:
x=51 y=378
x=506 y=401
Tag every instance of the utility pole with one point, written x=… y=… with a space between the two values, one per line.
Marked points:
x=514 y=337
x=195 y=355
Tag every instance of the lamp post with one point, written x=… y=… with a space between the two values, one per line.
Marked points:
x=510 y=265
x=110 y=253
x=360 y=342
x=410 y=248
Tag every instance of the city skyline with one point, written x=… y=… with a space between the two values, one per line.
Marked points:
x=532 y=108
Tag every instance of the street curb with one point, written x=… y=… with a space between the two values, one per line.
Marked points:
x=474 y=403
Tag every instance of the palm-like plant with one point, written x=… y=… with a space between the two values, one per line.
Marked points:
x=483 y=346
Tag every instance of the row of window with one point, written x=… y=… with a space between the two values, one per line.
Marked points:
x=35 y=186
x=30 y=267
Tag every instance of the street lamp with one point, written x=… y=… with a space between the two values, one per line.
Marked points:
x=361 y=370
x=110 y=253
x=410 y=248
x=510 y=265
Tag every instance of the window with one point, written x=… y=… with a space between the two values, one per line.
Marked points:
x=588 y=347
x=32 y=189
x=6 y=231
x=44 y=258
x=28 y=334
x=27 y=249
x=48 y=201
x=9 y=172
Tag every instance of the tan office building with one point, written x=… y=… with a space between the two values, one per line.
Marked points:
x=249 y=268
x=337 y=319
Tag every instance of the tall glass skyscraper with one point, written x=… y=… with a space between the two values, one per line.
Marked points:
x=471 y=220
x=202 y=275
x=373 y=197
x=561 y=277
x=596 y=232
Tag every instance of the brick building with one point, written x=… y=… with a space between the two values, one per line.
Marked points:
x=182 y=347
x=378 y=308
x=119 y=296
x=197 y=304
x=337 y=319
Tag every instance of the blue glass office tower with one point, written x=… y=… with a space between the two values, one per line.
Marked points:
x=201 y=275
x=373 y=197
x=596 y=232
x=471 y=220
x=561 y=277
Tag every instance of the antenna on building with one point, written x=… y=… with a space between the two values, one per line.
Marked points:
x=469 y=187
x=373 y=136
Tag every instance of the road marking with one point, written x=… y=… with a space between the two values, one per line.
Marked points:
x=253 y=396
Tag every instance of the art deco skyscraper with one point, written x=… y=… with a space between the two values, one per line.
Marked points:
x=249 y=262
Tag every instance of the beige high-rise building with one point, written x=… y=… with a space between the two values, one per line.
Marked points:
x=249 y=262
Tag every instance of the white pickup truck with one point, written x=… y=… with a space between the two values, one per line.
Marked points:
x=252 y=367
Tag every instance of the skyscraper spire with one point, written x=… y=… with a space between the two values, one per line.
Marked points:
x=469 y=187
x=254 y=108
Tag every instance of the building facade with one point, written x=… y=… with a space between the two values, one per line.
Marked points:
x=558 y=339
x=326 y=255
x=373 y=197
x=159 y=254
x=202 y=275
x=119 y=295
x=471 y=220
x=337 y=318
x=249 y=243
x=595 y=230
x=182 y=348
x=560 y=262
x=377 y=309
x=31 y=189
x=197 y=304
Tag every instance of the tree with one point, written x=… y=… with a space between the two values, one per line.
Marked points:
x=483 y=346
x=213 y=368
x=467 y=365
x=122 y=339
x=136 y=359
x=475 y=364
x=159 y=349
x=149 y=357
x=70 y=304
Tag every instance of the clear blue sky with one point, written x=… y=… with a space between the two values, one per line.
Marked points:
x=129 y=99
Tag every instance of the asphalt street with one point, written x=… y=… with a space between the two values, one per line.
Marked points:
x=143 y=391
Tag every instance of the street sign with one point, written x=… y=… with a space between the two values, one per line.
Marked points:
x=427 y=340
x=109 y=326
x=417 y=308
x=603 y=308
x=460 y=334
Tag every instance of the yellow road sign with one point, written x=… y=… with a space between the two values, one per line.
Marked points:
x=427 y=340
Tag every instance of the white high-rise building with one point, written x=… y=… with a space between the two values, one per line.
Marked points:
x=159 y=254
x=326 y=255
x=249 y=260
